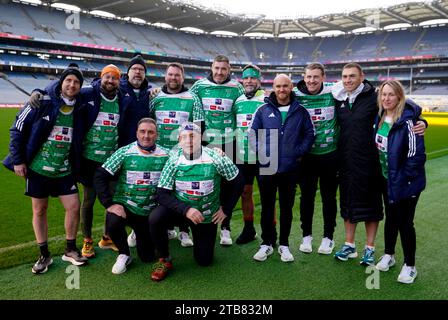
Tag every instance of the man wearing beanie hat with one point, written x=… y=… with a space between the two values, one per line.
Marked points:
x=189 y=190
x=42 y=150
x=138 y=59
x=135 y=93
x=74 y=70
x=102 y=111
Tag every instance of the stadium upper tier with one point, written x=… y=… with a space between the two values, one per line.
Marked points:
x=49 y=25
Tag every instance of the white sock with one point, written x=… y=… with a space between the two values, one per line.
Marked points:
x=350 y=244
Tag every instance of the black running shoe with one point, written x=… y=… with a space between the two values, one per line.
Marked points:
x=41 y=265
x=74 y=257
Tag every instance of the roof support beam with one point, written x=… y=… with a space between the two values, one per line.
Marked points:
x=437 y=10
x=301 y=26
x=252 y=27
x=396 y=16
x=107 y=5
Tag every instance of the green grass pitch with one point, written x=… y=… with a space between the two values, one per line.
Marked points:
x=234 y=274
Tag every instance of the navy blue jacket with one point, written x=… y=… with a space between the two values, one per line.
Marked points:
x=33 y=126
x=290 y=140
x=133 y=109
x=405 y=156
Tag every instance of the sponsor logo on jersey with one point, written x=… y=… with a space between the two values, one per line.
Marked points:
x=172 y=114
x=65 y=130
x=195 y=185
x=111 y=116
x=218 y=101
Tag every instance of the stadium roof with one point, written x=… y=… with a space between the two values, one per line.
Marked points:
x=180 y=15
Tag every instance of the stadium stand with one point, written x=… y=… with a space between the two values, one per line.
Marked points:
x=419 y=53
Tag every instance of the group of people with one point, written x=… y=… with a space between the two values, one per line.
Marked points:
x=177 y=157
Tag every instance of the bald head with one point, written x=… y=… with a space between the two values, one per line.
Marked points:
x=282 y=88
x=282 y=76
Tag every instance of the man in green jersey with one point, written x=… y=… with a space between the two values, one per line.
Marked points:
x=42 y=150
x=320 y=164
x=171 y=107
x=101 y=111
x=245 y=107
x=218 y=93
x=189 y=190
x=138 y=167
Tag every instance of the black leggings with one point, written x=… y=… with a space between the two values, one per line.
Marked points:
x=204 y=234
x=116 y=227
x=400 y=219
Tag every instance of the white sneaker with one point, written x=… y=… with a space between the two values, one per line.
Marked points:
x=306 y=244
x=132 y=239
x=185 y=240
x=385 y=262
x=263 y=253
x=172 y=234
x=326 y=246
x=407 y=274
x=285 y=254
x=120 y=265
x=226 y=240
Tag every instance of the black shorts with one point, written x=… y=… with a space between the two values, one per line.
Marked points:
x=39 y=186
x=249 y=172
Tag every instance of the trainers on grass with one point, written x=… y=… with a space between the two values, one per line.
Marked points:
x=74 y=257
x=285 y=254
x=346 y=252
x=121 y=263
x=263 y=253
x=306 y=244
x=185 y=240
x=385 y=262
x=326 y=246
x=41 y=265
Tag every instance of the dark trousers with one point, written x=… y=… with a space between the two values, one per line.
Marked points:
x=400 y=219
x=285 y=183
x=204 y=234
x=322 y=169
x=116 y=227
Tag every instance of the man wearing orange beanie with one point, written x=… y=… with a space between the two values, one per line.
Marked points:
x=101 y=111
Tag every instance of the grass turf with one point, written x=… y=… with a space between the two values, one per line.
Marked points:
x=234 y=274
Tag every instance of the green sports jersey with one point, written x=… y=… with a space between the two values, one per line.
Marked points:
x=244 y=110
x=321 y=108
x=284 y=112
x=381 y=144
x=139 y=174
x=102 y=138
x=170 y=111
x=52 y=159
x=197 y=182
x=218 y=102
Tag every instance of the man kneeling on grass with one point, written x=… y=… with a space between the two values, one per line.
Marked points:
x=189 y=189
x=138 y=166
